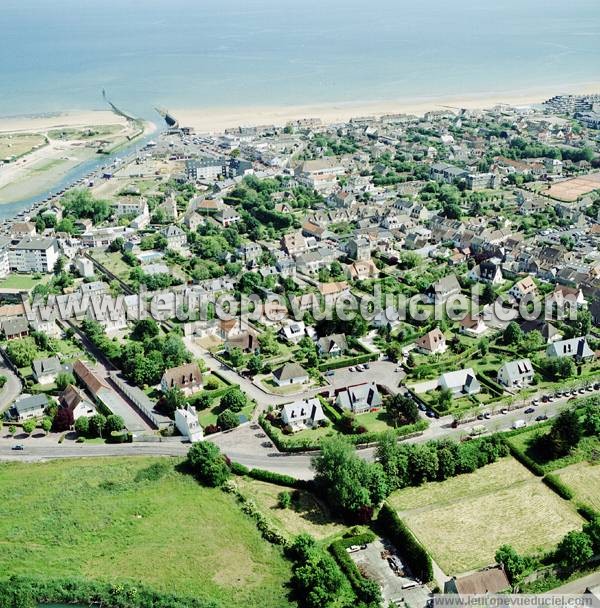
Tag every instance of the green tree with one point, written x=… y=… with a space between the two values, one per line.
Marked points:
x=255 y=364
x=574 y=550
x=97 y=425
x=228 y=420
x=565 y=434
x=208 y=464
x=63 y=380
x=46 y=424
x=513 y=563
x=236 y=356
x=173 y=399
x=401 y=410
x=444 y=399
x=513 y=334
x=234 y=400
x=82 y=426
x=318 y=580
x=114 y=423
x=143 y=329
x=12 y=429
x=22 y=352
x=28 y=426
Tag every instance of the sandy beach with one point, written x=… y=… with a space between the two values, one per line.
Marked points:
x=214 y=120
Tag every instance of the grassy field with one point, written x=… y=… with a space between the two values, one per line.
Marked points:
x=19 y=144
x=584 y=479
x=306 y=514
x=463 y=521
x=110 y=519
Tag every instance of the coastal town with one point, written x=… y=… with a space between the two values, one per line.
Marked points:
x=366 y=334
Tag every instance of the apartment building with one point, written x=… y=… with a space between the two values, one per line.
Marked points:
x=33 y=254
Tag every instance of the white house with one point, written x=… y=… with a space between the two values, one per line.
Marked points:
x=460 y=382
x=575 y=348
x=187 y=377
x=84 y=267
x=4 y=257
x=516 y=373
x=77 y=402
x=28 y=407
x=290 y=373
x=487 y=272
x=359 y=399
x=432 y=343
x=473 y=326
x=186 y=421
x=293 y=331
x=522 y=288
x=307 y=413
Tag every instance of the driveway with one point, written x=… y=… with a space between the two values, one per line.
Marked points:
x=373 y=562
x=385 y=373
x=11 y=390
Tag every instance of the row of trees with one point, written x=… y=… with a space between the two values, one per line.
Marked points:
x=355 y=487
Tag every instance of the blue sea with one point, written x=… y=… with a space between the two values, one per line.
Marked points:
x=60 y=54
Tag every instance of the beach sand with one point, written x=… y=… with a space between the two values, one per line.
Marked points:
x=214 y=120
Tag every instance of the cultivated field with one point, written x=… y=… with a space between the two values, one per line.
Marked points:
x=584 y=479
x=306 y=514
x=463 y=521
x=572 y=189
x=124 y=519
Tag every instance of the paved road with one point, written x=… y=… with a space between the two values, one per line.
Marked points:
x=579 y=585
x=12 y=388
x=244 y=445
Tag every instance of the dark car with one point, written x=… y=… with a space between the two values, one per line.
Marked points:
x=429 y=414
x=18 y=447
x=529 y=410
x=541 y=417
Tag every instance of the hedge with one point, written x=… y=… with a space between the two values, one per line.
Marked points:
x=285 y=444
x=554 y=483
x=29 y=592
x=221 y=377
x=276 y=478
x=525 y=460
x=366 y=590
x=395 y=529
x=238 y=469
x=587 y=512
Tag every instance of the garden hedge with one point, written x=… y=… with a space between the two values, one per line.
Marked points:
x=554 y=483
x=366 y=590
x=416 y=557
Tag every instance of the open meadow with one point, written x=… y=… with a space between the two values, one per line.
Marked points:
x=462 y=521
x=583 y=479
x=136 y=519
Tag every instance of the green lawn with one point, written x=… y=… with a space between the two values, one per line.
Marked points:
x=462 y=521
x=22 y=281
x=103 y=519
x=210 y=414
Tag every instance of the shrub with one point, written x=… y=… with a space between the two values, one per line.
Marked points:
x=417 y=558
x=208 y=464
x=284 y=500
x=228 y=420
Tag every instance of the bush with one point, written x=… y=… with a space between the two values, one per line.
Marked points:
x=228 y=420
x=416 y=557
x=284 y=500
x=208 y=464
x=554 y=483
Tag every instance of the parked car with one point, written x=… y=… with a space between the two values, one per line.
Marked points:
x=366 y=366
x=504 y=411
x=529 y=410
x=18 y=447
x=350 y=369
x=330 y=373
x=429 y=414
x=541 y=417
